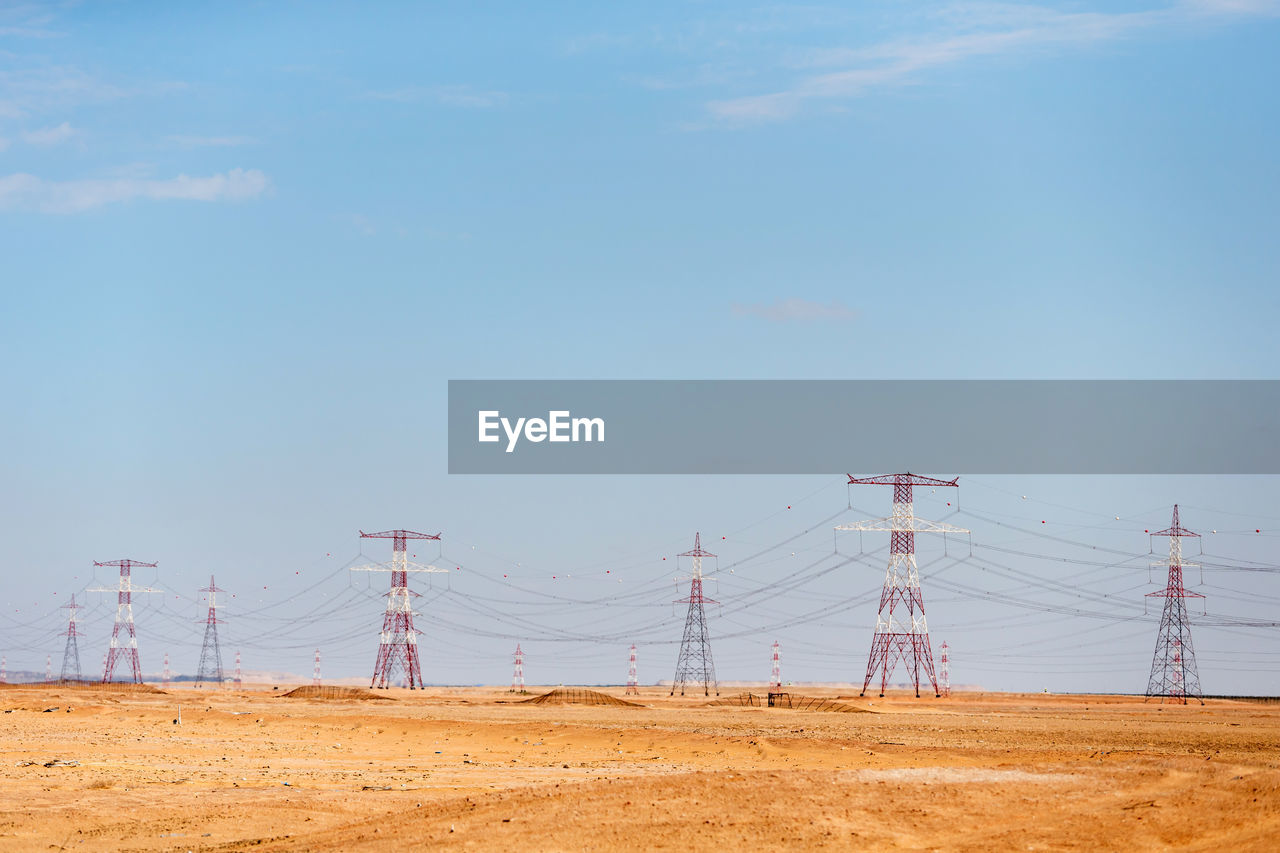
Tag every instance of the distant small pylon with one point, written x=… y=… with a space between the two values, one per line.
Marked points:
x=315 y=675
x=633 y=682
x=238 y=680
x=944 y=671
x=775 y=678
x=71 y=654
x=4 y=670
x=517 y=675
x=48 y=668
x=167 y=676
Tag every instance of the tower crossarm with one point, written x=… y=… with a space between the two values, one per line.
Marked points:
x=411 y=568
x=907 y=479
x=913 y=524
x=1179 y=593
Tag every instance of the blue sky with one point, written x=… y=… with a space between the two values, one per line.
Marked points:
x=245 y=246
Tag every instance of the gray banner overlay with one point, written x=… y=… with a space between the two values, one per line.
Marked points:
x=941 y=427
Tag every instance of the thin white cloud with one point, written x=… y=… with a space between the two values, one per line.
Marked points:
x=184 y=141
x=41 y=90
x=50 y=135
x=21 y=191
x=975 y=30
x=795 y=310
x=453 y=96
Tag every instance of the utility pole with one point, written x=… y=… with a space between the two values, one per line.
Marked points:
x=694 y=663
x=398 y=645
x=1174 y=675
x=902 y=634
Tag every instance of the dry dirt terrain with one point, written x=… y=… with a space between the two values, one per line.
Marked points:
x=93 y=769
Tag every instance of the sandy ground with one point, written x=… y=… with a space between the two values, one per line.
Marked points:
x=466 y=768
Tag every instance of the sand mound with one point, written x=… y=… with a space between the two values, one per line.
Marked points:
x=69 y=684
x=311 y=691
x=577 y=696
x=788 y=700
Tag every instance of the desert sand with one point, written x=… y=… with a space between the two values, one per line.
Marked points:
x=97 y=769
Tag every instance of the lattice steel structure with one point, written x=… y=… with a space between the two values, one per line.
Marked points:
x=517 y=673
x=48 y=668
x=210 y=668
x=125 y=646
x=4 y=670
x=775 y=674
x=398 y=646
x=1174 y=675
x=944 y=670
x=633 y=682
x=71 y=653
x=239 y=682
x=695 y=664
x=167 y=675
x=315 y=674
x=902 y=633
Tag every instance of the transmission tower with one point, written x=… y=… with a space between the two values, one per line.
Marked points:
x=48 y=669
x=694 y=663
x=71 y=654
x=517 y=674
x=901 y=630
x=167 y=676
x=124 y=620
x=210 y=668
x=1174 y=676
x=238 y=682
x=775 y=675
x=944 y=671
x=633 y=683
x=315 y=675
x=398 y=648
x=4 y=670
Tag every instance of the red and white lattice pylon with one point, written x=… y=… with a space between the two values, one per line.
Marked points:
x=1174 y=675
x=633 y=680
x=315 y=674
x=775 y=674
x=4 y=670
x=944 y=670
x=695 y=663
x=210 y=667
x=239 y=681
x=517 y=673
x=398 y=644
x=902 y=633
x=167 y=676
x=124 y=638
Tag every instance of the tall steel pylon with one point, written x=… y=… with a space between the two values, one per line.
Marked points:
x=166 y=677
x=210 y=668
x=71 y=654
x=902 y=633
x=694 y=663
x=126 y=646
x=315 y=675
x=633 y=682
x=239 y=682
x=517 y=674
x=944 y=670
x=775 y=674
x=1174 y=676
x=398 y=645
